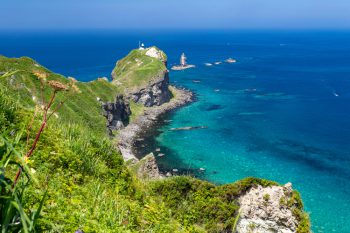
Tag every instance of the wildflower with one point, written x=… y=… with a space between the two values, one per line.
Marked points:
x=57 y=86
x=41 y=75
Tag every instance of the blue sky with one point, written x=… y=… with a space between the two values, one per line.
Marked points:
x=71 y=14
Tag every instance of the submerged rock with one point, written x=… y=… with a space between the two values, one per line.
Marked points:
x=188 y=128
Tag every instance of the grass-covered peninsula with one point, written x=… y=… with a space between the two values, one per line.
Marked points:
x=75 y=177
x=139 y=67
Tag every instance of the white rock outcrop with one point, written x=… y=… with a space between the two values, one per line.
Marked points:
x=154 y=52
x=263 y=209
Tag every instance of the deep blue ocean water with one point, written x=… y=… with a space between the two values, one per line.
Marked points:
x=281 y=112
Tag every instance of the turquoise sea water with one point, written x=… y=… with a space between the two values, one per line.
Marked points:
x=281 y=112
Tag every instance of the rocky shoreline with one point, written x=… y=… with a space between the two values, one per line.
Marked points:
x=128 y=136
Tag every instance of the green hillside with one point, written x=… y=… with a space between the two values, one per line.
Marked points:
x=83 y=108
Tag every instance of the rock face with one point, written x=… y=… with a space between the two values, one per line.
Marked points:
x=264 y=210
x=117 y=113
x=156 y=53
x=156 y=93
x=129 y=134
x=143 y=76
x=148 y=168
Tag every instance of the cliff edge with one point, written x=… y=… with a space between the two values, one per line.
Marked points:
x=143 y=76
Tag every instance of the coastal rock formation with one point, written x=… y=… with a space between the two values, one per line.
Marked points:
x=117 y=113
x=155 y=93
x=265 y=209
x=129 y=134
x=156 y=53
x=148 y=168
x=143 y=76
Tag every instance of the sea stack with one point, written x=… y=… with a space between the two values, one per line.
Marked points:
x=183 y=64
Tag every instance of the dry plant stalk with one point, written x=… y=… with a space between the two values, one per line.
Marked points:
x=56 y=87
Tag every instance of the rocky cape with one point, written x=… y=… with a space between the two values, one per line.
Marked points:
x=150 y=89
x=262 y=209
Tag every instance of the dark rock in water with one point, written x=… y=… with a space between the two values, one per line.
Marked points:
x=117 y=113
x=188 y=128
x=155 y=93
x=214 y=107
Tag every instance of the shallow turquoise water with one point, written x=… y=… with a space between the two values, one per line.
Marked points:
x=294 y=127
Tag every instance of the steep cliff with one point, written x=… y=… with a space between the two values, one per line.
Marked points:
x=117 y=113
x=143 y=76
x=155 y=93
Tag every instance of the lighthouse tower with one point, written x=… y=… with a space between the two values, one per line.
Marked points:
x=183 y=60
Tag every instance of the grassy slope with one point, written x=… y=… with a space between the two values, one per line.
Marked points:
x=89 y=186
x=81 y=108
x=137 y=69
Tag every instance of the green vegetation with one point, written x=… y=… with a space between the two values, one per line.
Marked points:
x=76 y=179
x=82 y=108
x=200 y=203
x=137 y=69
x=266 y=197
x=137 y=110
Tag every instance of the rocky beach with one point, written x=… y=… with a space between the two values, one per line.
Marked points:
x=130 y=134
